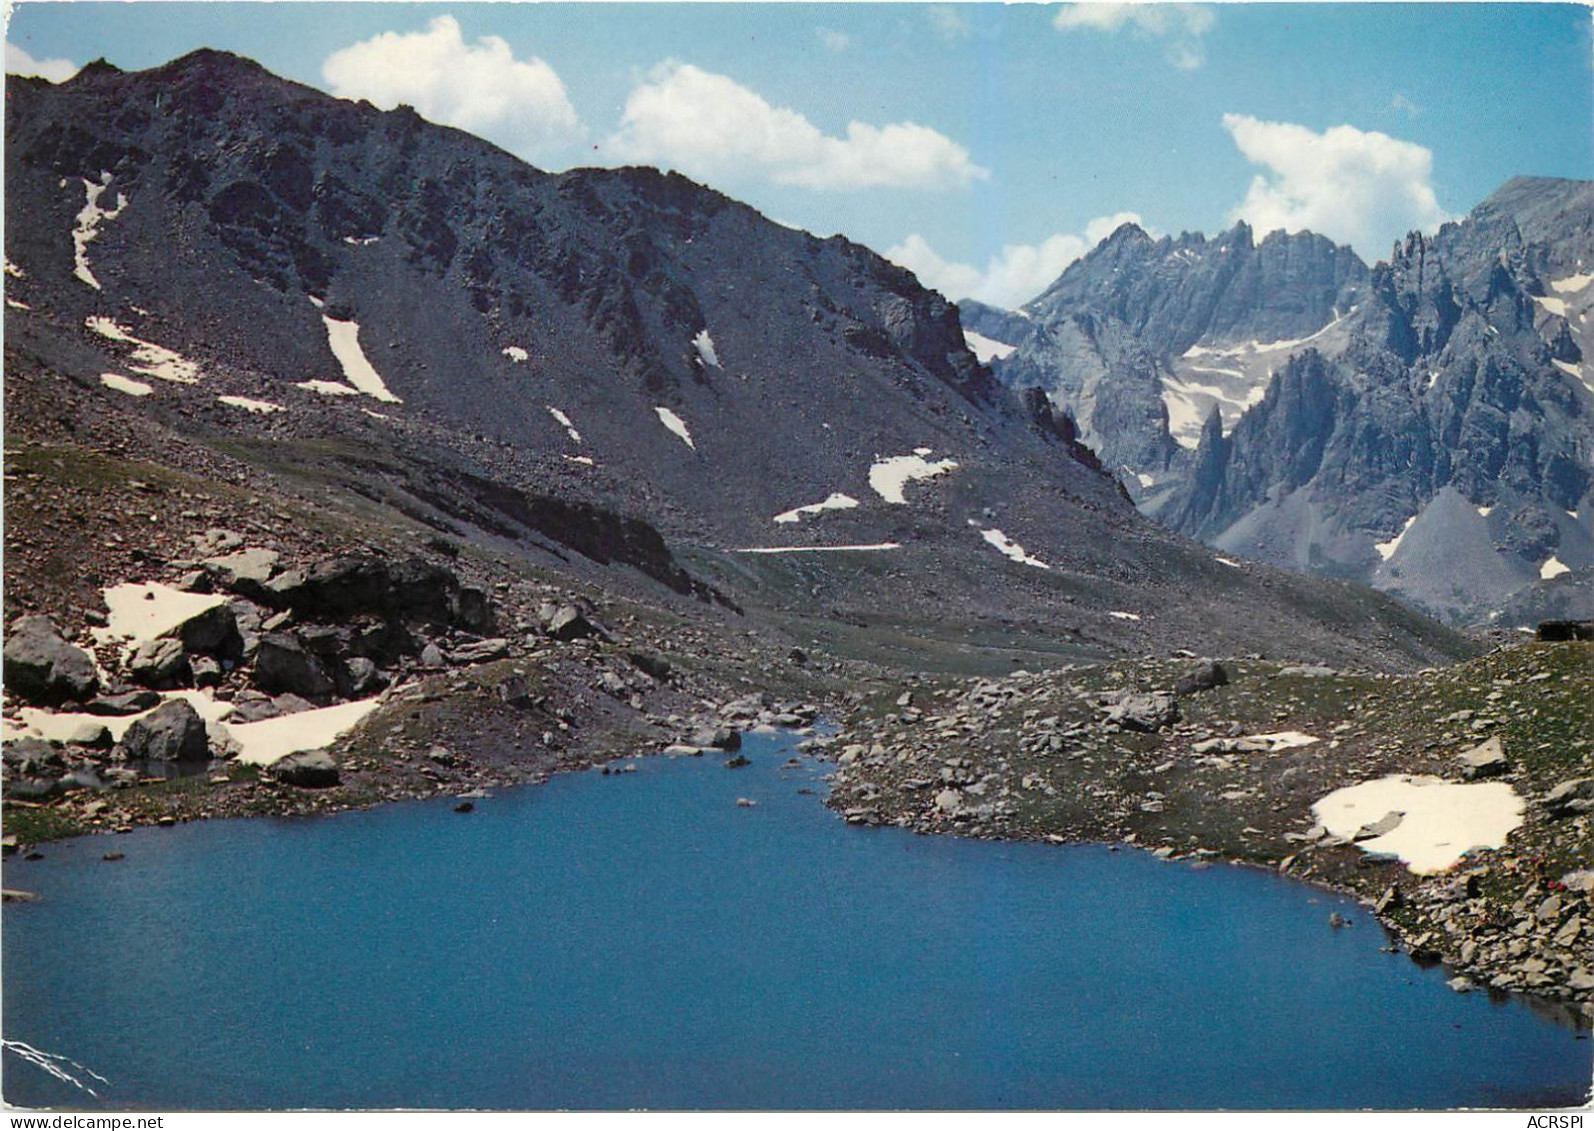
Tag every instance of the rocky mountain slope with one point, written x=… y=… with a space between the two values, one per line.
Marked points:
x=1424 y=427
x=605 y=366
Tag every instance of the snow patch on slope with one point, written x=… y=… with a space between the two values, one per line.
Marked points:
x=1554 y=567
x=249 y=404
x=87 y=227
x=328 y=388
x=515 y=354
x=836 y=501
x=149 y=359
x=1386 y=550
x=564 y=420
x=1011 y=549
x=986 y=349
x=705 y=348
x=675 y=424
x=144 y=612
x=816 y=549
x=126 y=385
x=344 y=340
x=887 y=477
x=1439 y=821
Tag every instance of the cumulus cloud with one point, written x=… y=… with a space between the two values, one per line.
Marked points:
x=1182 y=25
x=710 y=126
x=948 y=23
x=1017 y=274
x=480 y=87
x=20 y=63
x=1364 y=189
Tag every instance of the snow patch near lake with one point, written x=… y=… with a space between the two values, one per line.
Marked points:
x=564 y=420
x=271 y=740
x=816 y=549
x=126 y=385
x=836 y=501
x=87 y=227
x=149 y=359
x=148 y=611
x=1386 y=550
x=344 y=339
x=1554 y=567
x=1011 y=549
x=675 y=424
x=249 y=404
x=705 y=348
x=986 y=349
x=887 y=477
x=328 y=388
x=1440 y=821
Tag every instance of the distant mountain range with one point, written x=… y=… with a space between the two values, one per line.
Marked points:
x=1425 y=426
x=616 y=372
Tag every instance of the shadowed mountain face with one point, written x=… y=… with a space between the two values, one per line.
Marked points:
x=602 y=368
x=1425 y=427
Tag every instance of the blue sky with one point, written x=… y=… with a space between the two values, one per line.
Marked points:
x=983 y=145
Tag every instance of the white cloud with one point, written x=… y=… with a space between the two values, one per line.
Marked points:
x=833 y=40
x=948 y=23
x=481 y=87
x=1183 y=25
x=19 y=62
x=1364 y=189
x=1016 y=275
x=710 y=126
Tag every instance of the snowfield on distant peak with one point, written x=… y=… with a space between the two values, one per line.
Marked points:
x=986 y=349
x=889 y=476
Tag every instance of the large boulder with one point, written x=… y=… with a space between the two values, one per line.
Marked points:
x=568 y=623
x=213 y=632
x=1485 y=760
x=172 y=732
x=312 y=769
x=41 y=666
x=160 y=663
x=1142 y=711
x=1203 y=677
x=282 y=663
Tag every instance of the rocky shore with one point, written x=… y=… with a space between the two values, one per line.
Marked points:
x=1198 y=760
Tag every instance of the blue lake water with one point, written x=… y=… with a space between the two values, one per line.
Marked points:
x=639 y=940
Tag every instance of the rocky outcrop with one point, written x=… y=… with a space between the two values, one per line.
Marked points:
x=315 y=769
x=40 y=665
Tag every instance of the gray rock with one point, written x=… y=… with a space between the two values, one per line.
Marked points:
x=32 y=757
x=206 y=671
x=482 y=651
x=1570 y=797
x=91 y=736
x=1388 y=823
x=1203 y=677
x=432 y=657
x=364 y=678
x=172 y=732
x=126 y=703
x=1485 y=760
x=246 y=571
x=717 y=738
x=569 y=623
x=41 y=666
x=213 y=632
x=312 y=769
x=1146 y=712
x=283 y=664
x=160 y=664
